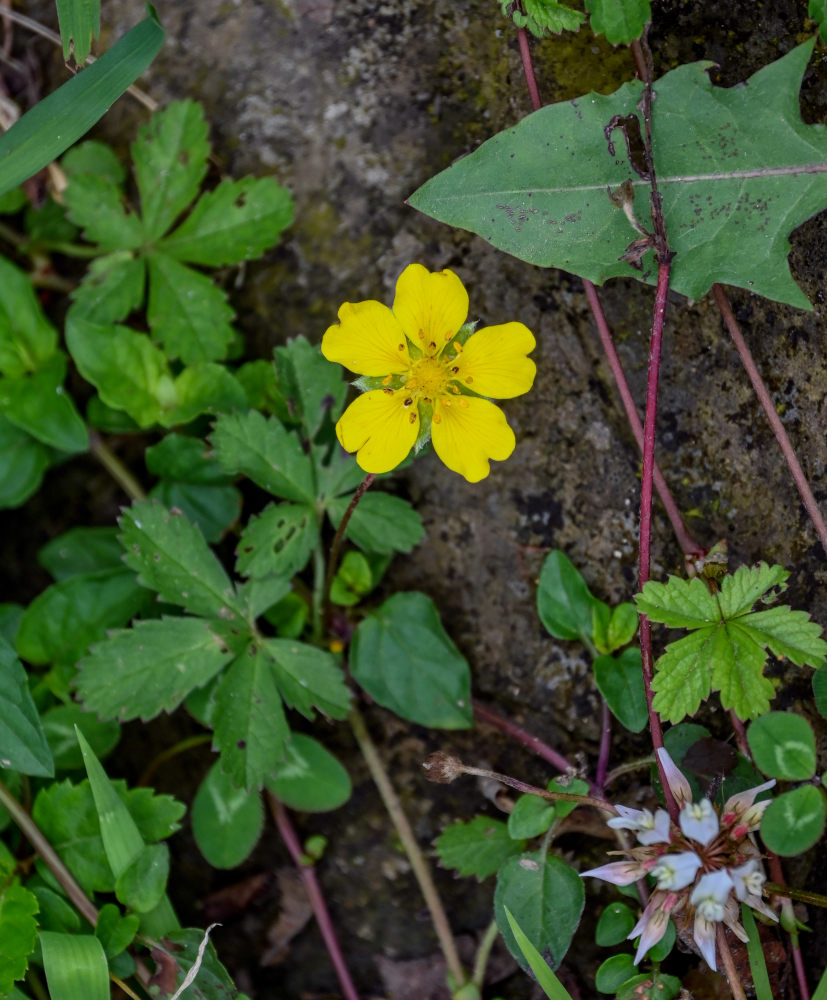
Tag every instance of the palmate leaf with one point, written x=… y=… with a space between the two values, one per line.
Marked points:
x=737 y=169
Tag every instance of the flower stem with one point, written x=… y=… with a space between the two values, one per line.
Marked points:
x=781 y=436
x=419 y=865
x=32 y=833
x=729 y=965
x=483 y=953
x=115 y=467
x=333 y=558
x=314 y=894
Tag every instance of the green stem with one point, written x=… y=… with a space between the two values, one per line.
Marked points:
x=115 y=467
x=338 y=538
x=483 y=952
x=180 y=747
x=31 y=832
x=802 y=895
x=319 y=593
x=419 y=865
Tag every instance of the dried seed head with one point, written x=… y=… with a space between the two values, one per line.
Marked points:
x=442 y=767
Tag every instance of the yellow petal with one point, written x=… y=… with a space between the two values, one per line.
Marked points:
x=377 y=425
x=368 y=340
x=431 y=306
x=466 y=437
x=494 y=363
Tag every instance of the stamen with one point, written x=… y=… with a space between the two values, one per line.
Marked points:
x=448 y=336
x=387 y=380
x=458 y=347
x=469 y=380
x=455 y=369
x=412 y=417
x=421 y=334
x=432 y=346
x=455 y=389
x=463 y=403
x=408 y=401
x=446 y=402
x=401 y=347
x=411 y=384
x=388 y=392
x=428 y=400
x=437 y=418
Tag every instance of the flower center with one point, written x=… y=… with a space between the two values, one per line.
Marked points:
x=429 y=378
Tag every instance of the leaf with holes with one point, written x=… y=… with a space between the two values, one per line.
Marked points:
x=279 y=540
x=737 y=168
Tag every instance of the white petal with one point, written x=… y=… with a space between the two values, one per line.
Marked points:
x=699 y=821
x=676 y=871
x=704 y=934
x=677 y=783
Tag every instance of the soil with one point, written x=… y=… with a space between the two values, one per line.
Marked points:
x=353 y=105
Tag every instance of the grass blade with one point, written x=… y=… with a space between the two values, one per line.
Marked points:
x=551 y=985
x=79 y=23
x=757 y=965
x=75 y=966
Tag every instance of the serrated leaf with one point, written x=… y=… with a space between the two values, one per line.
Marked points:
x=314 y=387
x=226 y=820
x=564 y=602
x=621 y=21
x=96 y=204
x=794 y=822
x=787 y=633
x=93 y=157
x=381 y=523
x=278 y=541
x=740 y=590
x=75 y=966
x=546 y=898
x=264 y=451
x=170 y=159
x=81 y=550
x=737 y=662
x=678 y=603
x=262 y=594
x=187 y=313
x=309 y=678
x=478 y=847
x=112 y=287
x=79 y=23
x=310 y=779
x=402 y=656
x=620 y=680
x=59 y=727
x=683 y=679
x=547 y=15
x=237 y=221
x=27 y=338
x=737 y=170
x=215 y=509
x=23 y=462
x=783 y=746
x=170 y=556
x=38 y=403
x=187 y=459
x=23 y=745
x=65 y=619
x=150 y=668
x=250 y=727
x=55 y=914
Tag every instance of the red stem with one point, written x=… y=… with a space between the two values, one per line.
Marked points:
x=314 y=894
x=605 y=746
x=781 y=436
x=528 y=68
x=777 y=875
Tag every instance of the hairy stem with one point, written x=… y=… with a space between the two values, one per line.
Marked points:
x=416 y=858
x=314 y=894
x=115 y=467
x=338 y=538
x=781 y=436
x=543 y=793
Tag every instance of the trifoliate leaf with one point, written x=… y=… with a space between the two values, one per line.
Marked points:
x=278 y=541
x=737 y=169
x=478 y=847
x=150 y=668
x=237 y=221
x=621 y=21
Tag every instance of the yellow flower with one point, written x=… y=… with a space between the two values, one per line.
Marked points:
x=426 y=374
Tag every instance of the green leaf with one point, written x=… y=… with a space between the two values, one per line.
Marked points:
x=279 y=540
x=817 y=10
x=170 y=159
x=27 y=338
x=226 y=820
x=237 y=221
x=353 y=580
x=649 y=986
x=820 y=690
x=61 y=623
x=783 y=746
x=264 y=451
x=380 y=523
x=479 y=847
x=59 y=727
x=314 y=387
x=623 y=626
x=404 y=659
x=614 y=925
x=182 y=949
x=621 y=21
x=683 y=679
x=81 y=550
x=115 y=931
x=678 y=603
x=75 y=966
x=39 y=404
x=614 y=972
x=112 y=287
x=23 y=745
x=22 y=464
x=260 y=595
x=142 y=884
x=59 y=120
x=311 y=779
x=309 y=678
x=543 y=16
x=79 y=23
x=530 y=817
x=564 y=602
x=737 y=170
x=187 y=313
x=250 y=728
x=169 y=554
x=620 y=680
x=18 y=933
x=794 y=822
x=546 y=898
x=572 y=786
x=288 y=616
x=55 y=914
x=150 y=668
x=96 y=204
x=549 y=983
x=93 y=157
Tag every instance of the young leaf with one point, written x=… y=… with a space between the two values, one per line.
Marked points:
x=226 y=820
x=81 y=550
x=170 y=556
x=621 y=21
x=614 y=925
x=353 y=580
x=265 y=452
x=75 y=966
x=309 y=678
x=737 y=169
x=564 y=602
x=794 y=821
x=380 y=523
x=479 y=847
x=310 y=779
x=402 y=656
x=79 y=22
x=313 y=385
x=614 y=972
x=546 y=898
x=620 y=680
x=530 y=817
x=170 y=158
x=549 y=983
x=783 y=746
x=250 y=728
x=23 y=744
x=27 y=338
x=279 y=540
x=237 y=221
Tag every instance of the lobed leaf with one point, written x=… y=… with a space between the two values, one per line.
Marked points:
x=682 y=678
x=314 y=387
x=787 y=633
x=479 y=847
x=678 y=603
x=97 y=204
x=748 y=584
x=621 y=21
x=112 y=287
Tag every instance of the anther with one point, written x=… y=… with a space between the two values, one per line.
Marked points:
x=387 y=380
x=437 y=418
x=388 y=392
x=412 y=417
x=455 y=369
x=408 y=401
x=401 y=347
x=464 y=404
x=448 y=336
x=446 y=402
x=469 y=380
x=432 y=346
x=455 y=390
x=421 y=334
x=457 y=347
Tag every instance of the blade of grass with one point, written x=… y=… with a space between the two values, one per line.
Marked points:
x=551 y=985
x=757 y=965
x=75 y=966
x=60 y=119
x=79 y=23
